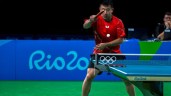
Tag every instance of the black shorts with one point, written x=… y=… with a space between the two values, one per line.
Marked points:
x=118 y=57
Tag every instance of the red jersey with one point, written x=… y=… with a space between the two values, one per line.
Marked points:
x=108 y=31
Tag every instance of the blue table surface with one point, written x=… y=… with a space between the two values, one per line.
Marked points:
x=143 y=67
x=144 y=70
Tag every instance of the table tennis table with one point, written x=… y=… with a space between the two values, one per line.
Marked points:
x=143 y=70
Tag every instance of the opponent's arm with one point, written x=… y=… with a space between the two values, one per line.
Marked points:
x=168 y=27
x=160 y=36
x=168 y=24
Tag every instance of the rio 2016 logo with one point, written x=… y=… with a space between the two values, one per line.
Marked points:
x=59 y=63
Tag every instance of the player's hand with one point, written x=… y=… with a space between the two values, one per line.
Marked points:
x=92 y=18
x=101 y=46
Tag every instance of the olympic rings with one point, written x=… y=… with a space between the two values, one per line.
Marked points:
x=107 y=59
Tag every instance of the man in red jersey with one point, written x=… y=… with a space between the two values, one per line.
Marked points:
x=109 y=33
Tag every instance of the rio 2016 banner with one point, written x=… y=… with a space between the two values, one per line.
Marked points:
x=46 y=60
x=60 y=59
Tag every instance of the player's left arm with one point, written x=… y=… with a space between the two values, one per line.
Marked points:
x=120 y=37
x=115 y=42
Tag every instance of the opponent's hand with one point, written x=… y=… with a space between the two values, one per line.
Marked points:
x=168 y=24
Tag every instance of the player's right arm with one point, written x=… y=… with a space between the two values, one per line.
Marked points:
x=88 y=23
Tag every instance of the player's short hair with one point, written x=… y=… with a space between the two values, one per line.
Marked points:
x=107 y=3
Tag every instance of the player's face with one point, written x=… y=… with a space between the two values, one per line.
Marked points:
x=108 y=11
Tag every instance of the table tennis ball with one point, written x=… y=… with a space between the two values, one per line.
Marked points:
x=107 y=35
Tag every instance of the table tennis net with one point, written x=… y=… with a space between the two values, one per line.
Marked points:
x=131 y=59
